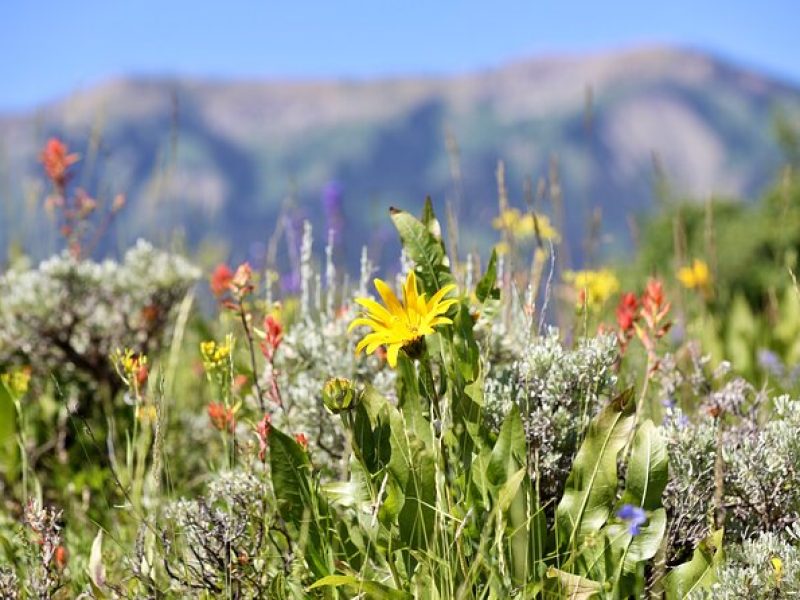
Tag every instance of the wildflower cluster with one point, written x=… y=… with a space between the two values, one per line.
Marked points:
x=48 y=557
x=695 y=276
x=131 y=367
x=16 y=381
x=74 y=210
x=593 y=288
x=646 y=317
x=520 y=227
x=216 y=356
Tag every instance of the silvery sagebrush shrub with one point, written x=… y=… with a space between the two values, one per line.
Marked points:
x=216 y=542
x=689 y=494
x=762 y=568
x=758 y=446
x=66 y=316
x=762 y=479
x=558 y=391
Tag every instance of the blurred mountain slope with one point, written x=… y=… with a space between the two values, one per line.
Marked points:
x=219 y=159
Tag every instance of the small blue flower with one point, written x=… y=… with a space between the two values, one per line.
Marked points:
x=771 y=362
x=634 y=516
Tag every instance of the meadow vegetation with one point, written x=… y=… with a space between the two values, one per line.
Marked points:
x=462 y=428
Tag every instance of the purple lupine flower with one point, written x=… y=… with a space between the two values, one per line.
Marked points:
x=675 y=417
x=634 y=516
x=332 y=195
x=770 y=362
x=290 y=283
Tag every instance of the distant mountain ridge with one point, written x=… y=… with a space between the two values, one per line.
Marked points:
x=220 y=159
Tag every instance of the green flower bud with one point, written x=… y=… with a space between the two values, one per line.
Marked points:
x=338 y=394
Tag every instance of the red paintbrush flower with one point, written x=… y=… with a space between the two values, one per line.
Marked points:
x=57 y=160
x=220 y=280
x=221 y=417
x=273 y=335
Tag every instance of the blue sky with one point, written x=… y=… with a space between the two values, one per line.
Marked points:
x=51 y=48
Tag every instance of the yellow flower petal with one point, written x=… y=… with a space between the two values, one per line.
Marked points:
x=389 y=299
x=391 y=354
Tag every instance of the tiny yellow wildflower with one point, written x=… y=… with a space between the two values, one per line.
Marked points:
x=399 y=324
x=215 y=354
x=146 y=413
x=524 y=226
x=777 y=567
x=695 y=276
x=16 y=381
x=594 y=288
x=502 y=248
x=130 y=366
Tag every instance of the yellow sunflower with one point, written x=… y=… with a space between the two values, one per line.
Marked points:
x=399 y=324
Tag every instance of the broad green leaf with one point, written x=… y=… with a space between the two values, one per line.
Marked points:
x=645 y=544
x=371 y=432
x=646 y=479
x=599 y=558
x=510 y=489
x=648 y=470
x=465 y=345
x=373 y=588
x=487 y=286
x=303 y=510
x=510 y=449
x=591 y=487
x=632 y=550
x=700 y=572
x=424 y=249
x=290 y=469
x=417 y=518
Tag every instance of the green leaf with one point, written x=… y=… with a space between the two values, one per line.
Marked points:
x=510 y=488
x=372 y=588
x=290 y=469
x=424 y=249
x=591 y=487
x=646 y=478
x=700 y=572
x=631 y=551
x=304 y=511
x=599 y=560
x=648 y=469
x=487 y=286
x=9 y=451
x=418 y=515
x=371 y=432
x=510 y=449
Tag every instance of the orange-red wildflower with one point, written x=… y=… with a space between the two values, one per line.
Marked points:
x=221 y=417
